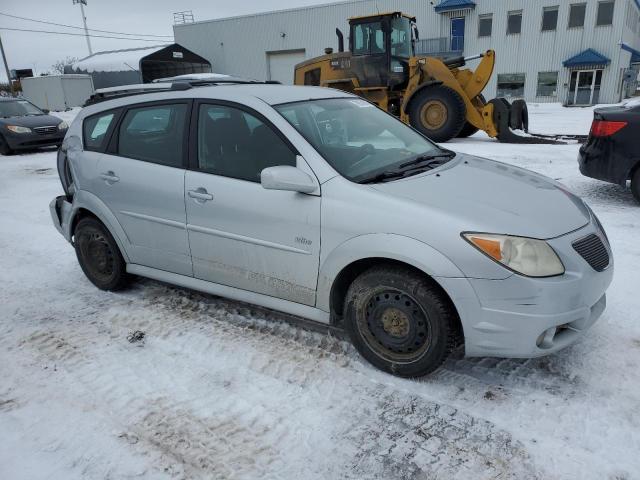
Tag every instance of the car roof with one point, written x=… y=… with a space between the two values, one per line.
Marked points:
x=272 y=94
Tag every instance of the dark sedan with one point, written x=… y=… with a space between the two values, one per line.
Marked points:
x=24 y=126
x=612 y=151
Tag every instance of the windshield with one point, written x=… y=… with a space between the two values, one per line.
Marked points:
x=357 y=139
x=401 y=37
x=18 y=108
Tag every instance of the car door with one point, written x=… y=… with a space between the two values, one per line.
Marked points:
x=141 y=180
x=240 y=234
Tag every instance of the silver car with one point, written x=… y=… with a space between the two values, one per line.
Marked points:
x=316 y=203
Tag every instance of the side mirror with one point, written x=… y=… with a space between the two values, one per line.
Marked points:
x=285 y=177
x=45 y=111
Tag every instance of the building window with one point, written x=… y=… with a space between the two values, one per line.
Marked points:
x=514 y=22
x=549 y=18
x=577 y=12
x=510 y=85
x=547 y=84
x=485 y=25
x=605 y=13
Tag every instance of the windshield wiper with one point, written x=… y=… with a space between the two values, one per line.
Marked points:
x=380 y=177
x=427 y=160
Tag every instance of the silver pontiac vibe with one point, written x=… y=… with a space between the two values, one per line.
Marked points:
x=314 y=202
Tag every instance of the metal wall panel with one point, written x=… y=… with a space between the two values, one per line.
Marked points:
x=239 y=45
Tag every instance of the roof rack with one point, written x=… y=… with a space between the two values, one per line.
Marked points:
x=112 y=93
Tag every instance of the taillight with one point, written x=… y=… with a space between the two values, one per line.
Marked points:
x=605 y=128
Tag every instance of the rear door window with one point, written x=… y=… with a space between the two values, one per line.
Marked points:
x=154 y=133
x=95 y=129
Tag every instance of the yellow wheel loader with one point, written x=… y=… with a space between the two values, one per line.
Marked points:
x=439 y=98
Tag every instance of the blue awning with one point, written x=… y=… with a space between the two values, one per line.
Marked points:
x=635 y=54
x=588 y=57
x=448 y=5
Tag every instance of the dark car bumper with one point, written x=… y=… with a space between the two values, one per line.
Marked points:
x=23 y=141
x=600 y=159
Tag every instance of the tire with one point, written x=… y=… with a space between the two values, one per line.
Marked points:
x=4 y=147
x=438 y=112
x=99 y=255
x=635 y=184
x=468 y=128
x=400 y=321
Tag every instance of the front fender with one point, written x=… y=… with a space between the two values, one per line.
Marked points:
x=381 y=245
x=88 y=201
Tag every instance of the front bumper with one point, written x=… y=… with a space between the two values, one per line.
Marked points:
x=24 y=141
x=524 y=317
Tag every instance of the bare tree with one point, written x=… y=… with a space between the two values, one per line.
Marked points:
x=58 y=67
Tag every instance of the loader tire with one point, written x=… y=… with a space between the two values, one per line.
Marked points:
x=468 y=128
x=438 y=112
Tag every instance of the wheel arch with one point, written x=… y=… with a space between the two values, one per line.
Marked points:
x=88 y=205
x=355 y=256
x=350 y=272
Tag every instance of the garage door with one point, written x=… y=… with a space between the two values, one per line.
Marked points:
x=281 y=65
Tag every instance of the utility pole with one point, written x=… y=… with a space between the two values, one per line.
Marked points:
x=6 y=67
x=84 y=21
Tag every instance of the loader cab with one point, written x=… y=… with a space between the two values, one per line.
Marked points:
x=381 y=46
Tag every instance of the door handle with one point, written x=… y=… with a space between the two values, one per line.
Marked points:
x=109 y=177
x=200 y=194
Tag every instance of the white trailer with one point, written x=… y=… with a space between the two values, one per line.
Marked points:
x=58 y=92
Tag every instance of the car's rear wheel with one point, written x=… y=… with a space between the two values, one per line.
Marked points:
x=400 y=321
x=99 y=255
x=5 y=149
x=635 y=183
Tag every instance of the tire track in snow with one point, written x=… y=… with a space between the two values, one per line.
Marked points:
x=254 y=382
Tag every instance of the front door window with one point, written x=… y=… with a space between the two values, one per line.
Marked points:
x=584 y=87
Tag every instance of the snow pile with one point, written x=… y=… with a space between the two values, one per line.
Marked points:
x=115 y=60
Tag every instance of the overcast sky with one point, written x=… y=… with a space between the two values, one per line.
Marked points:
x=39 y=51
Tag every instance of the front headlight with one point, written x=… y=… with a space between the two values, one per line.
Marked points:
x=63 y=125
x=528 y=256
x=18 y=129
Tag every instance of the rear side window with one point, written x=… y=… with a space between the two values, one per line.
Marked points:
x=154 y=134
x=94 y=130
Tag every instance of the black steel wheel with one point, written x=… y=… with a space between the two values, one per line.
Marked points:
x=99 y=255
x=400 y=321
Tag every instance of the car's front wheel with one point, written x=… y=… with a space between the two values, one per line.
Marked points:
x=5 y=149
x=99 y=255
x=400 y=321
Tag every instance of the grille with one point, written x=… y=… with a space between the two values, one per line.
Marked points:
x=46 y=130
x=593 y=251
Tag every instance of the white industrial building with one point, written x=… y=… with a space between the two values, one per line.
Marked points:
x=578 y=52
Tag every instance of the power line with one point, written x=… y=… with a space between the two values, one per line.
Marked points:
x=82 y=35
x=81 y=28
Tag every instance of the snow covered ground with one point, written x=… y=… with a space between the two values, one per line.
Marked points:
x=224 y=390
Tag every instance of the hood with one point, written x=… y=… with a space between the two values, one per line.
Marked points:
x=32 y=121
x=488 y=196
